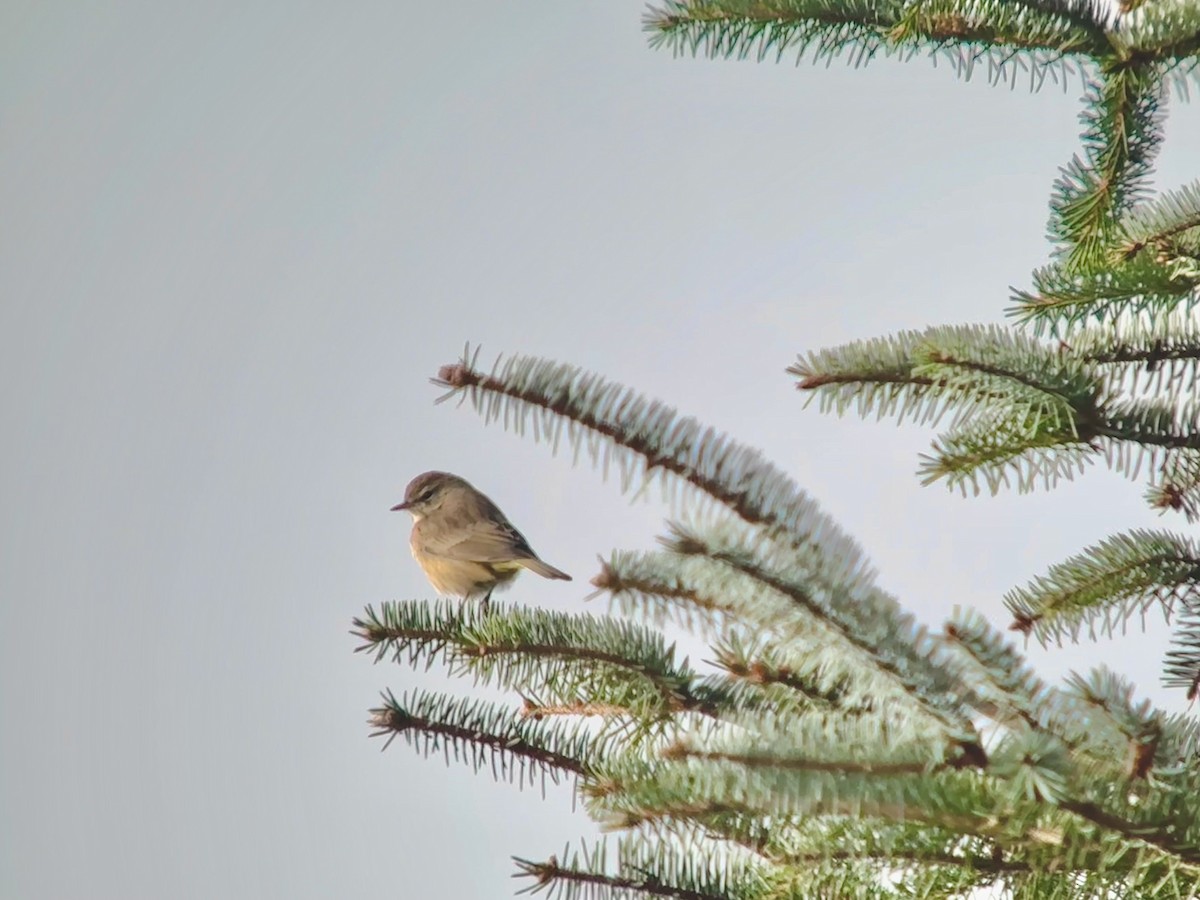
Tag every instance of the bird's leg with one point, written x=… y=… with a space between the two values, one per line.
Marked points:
x=484 y=606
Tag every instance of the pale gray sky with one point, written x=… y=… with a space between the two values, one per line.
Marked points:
x=237 y=240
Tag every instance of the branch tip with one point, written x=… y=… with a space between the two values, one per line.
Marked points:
x=1023 y=624
x=452 y=375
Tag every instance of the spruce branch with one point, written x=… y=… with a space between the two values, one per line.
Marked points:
x=1134 y=731
x=769 y=662
x=888 y=859
x=985 y=451
x=647 y=438
x=1152 y=424
x=796 y=842
x=1182 y=668
x=1060 y=851
x=1177 y=485
x=416 y=630
x=640 y=870
x=1003 y=687
x=759 y=663
x=1110 y=738
x=572 y=658
x=711 y=822
x=1159 y=33
x=551 y=874
x=1126 y=434
x=811 y=651
x=532 y=709
x=890 y=844
x=1155 y=835
x=824 y=742
x=1034 y=767
x=886 y=643
x=1160 y=222
x=665 y=588
x=1024 y=412
x=1148 y=285
x=922 y=375
x=1158 y=355
x=877 y=375
x=748 y=697
x=1038 y=37
x=484 y=735
x=1122 y=131
x=959 y=799
x=1105 y=585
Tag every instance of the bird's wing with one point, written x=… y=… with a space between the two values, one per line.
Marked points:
x=486 y=542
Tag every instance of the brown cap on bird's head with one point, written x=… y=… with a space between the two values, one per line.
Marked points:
x=425 y=487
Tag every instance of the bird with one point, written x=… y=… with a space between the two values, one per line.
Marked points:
x=463 y=542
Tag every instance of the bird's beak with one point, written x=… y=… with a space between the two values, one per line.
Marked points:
x=399 y=506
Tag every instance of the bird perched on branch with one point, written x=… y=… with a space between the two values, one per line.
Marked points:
x=463 y=542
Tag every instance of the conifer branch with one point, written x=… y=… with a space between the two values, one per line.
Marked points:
x=678 y=694
x=921 y=375
x=711 y=821
x=536 y=650
x=1036 y=36
x=1177 y=486
x=698 y=593
x=1024 y=412
x=1123 y=122
x=1137 y=728
x=481 y=734
x=1160 y=221
x=833 y=767
x=550 y=871
x=640 y=870
x=958 y=800
x=1107 y=734
x=891 y=646
x=1182 y=669
x=985 y=451
x=831 y=741
x=1064 y=297
x=1151 y=358
x=1159 y=354
x=1150 y=834
x=1159 y=33
x=1003 y=687
x=804 y=843
x=650 y=437
x=805 y=847
x=681 y=815
x=422 y=631
x=1124 y=433
x=531 y=709
x=891 y=858
x=763 y=666
x=899 y=836
x=1105 y=585
x=802 y=645
x=664 y=588
x=1152 y=424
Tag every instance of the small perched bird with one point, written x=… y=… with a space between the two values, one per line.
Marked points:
x=463 y=542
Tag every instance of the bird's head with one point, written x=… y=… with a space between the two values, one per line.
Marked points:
x=427 y=492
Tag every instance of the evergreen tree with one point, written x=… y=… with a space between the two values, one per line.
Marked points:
x=840 y=748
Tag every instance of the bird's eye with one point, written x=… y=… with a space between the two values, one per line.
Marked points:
x=426 y=496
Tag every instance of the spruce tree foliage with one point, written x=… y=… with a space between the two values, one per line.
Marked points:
x=836 y=747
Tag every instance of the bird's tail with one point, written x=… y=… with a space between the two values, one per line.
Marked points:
x=544 y=569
